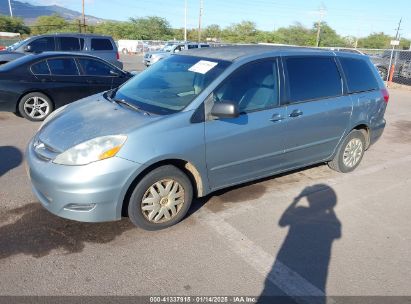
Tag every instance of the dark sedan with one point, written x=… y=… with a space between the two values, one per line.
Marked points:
x=35 y=85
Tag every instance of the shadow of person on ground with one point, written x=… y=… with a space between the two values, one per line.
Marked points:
x=306 y=250
x=10 y=158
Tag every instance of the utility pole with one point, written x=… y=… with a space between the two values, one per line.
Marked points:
x=83 y=16
x=320 y=20
x=185 y=20
x=199 y=20
x=11 y=11
x=392 y=67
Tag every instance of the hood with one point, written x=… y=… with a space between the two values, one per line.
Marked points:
x=89 y=118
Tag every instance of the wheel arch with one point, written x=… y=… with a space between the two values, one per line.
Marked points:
x=196 y=179
x=366 y=131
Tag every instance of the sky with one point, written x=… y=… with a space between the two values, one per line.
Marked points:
x=349 y=17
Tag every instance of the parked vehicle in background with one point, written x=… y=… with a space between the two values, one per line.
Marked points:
x=35 y=85
x=96 y=45
x=400 y=58
x=348 y=50
x=132 y=46
x=173 y=132
x=7 y=39
x=168 y=49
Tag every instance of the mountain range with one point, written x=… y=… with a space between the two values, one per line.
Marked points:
x=29 y=12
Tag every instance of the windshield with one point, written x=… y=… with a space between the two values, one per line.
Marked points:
x=171 y=84
x=16 y=45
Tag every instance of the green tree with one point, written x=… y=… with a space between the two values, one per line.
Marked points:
x=151 y=28
x=13 y=25
x=244 y=31
x=375 y=41
x=296 y=34
x=53 y=24
x=328 y=36
x=405 y=44
x=115 y=29
x=212 y=31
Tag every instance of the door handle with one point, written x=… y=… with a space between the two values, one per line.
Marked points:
x=296 y=113
x=276 y=117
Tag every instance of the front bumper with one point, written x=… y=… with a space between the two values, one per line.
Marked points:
x=90 y=193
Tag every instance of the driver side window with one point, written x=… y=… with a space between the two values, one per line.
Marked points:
x=253 y=87
x=43 y=44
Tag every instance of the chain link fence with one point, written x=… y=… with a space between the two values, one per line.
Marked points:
x=394 y=66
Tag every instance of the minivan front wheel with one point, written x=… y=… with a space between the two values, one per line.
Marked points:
x=161 y=199
x=350 y=152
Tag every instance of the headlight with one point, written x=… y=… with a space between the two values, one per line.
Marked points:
x=52 y=114
x=92 y=150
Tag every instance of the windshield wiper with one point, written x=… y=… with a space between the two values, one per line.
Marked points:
x=123 y=102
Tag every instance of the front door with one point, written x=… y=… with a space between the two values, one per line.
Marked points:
x=251 y=145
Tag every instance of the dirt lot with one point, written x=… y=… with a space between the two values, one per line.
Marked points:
x=350 y=234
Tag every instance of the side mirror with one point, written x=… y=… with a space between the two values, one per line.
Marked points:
x=227 y=109
x=28 y=49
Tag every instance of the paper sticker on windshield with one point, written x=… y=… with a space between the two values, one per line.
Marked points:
x=202 y=67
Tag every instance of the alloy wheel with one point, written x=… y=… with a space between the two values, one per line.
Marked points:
x=36 y=107
x=352 y=153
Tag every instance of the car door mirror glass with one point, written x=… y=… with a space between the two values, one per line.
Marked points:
x=225 y=109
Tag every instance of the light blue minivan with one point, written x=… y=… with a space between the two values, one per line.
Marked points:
x=200 y=121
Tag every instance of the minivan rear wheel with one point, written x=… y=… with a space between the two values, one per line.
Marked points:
x=349 y=153
x=161 y=199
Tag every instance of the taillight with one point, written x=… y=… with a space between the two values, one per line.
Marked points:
x=118 y=56
x=385 y=94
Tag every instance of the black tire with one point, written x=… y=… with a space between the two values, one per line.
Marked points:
x=337 y=163
x=135 y=211
x=383 y=73
x=46 y=106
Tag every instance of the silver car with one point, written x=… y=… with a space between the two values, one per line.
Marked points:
x=201 y=121
x=169 y=49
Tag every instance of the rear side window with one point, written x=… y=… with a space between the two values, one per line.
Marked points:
x=312 y=78
x=359 y=76
x=43 y=44
x=69 y=44
x=192 y=46
x=93 y=67
x=40 y=68
x=63 y=66
x=101 y=44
